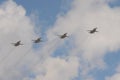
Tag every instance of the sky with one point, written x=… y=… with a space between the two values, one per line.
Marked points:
x=81 y=56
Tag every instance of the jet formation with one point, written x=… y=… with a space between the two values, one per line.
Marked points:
x=38 y=40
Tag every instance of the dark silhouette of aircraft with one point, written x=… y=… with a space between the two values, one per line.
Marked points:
x=38 y=40
x=63 y=36
x=17 y=43
x=93 y=30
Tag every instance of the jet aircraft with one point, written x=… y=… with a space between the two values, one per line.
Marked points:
x=93 y=30
x=63 y=36
x=18 y=43
x=38 y=40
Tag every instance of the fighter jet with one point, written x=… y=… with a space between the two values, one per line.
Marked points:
x=38 y=40
x=63 y=36
x=18 y=43
x=93 y=30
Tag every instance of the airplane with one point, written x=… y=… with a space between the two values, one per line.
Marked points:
x=93 y=30
x=63 y=36
x=38 y=40
x=17 y=43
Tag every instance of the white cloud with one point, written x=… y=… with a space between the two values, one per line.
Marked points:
x=86 y=15
x=116 y=75
x=118 y=68
x=58 y=69
x=88 y=52
x=14 y=26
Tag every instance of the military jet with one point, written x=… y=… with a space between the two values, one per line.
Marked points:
x=93 y=30
x=63 y=36
x=18 y=43
x=38 y=40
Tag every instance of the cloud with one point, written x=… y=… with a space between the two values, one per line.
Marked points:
x=15 y=26
x=118 y=68
x=86 y=55
x=116 y=75
x=22 y=62
x=85 y=15
x=57 y=69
